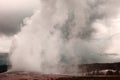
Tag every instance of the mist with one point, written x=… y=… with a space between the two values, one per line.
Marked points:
x=64 y=32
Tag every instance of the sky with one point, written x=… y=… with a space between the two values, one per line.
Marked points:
x=12 y=14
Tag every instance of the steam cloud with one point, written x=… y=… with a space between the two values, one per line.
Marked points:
x=64 y=32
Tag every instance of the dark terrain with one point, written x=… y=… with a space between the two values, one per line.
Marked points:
x=3 y=62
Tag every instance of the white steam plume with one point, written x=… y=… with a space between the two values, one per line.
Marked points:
x=63 y=32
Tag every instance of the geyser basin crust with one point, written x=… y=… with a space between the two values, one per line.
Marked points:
x=36 y=76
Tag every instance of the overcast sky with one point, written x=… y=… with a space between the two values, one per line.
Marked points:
x=12 y=13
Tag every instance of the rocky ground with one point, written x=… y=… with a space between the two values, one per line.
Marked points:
x=28 y=76
x=38 y=76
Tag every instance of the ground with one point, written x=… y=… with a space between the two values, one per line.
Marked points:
x=38 y=76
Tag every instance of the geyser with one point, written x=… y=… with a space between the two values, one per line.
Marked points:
x=63 y=32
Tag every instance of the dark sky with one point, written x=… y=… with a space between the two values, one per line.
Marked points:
x=12 y=14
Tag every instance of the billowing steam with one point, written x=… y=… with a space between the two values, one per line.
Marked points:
x=64 y=32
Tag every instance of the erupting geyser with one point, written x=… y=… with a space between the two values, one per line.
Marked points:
x=63 y=32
